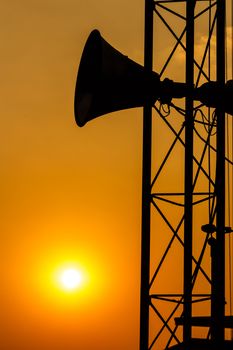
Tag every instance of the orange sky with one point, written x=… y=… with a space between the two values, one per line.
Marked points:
x=68 y=195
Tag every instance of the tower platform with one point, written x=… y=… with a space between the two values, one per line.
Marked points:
x=203 y=344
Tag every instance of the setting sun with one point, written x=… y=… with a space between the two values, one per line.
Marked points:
x=71 y=279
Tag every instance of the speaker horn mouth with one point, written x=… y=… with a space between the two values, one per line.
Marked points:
x=109 y=81
x=88 y=76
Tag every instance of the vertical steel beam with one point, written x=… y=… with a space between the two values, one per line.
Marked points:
x=218 y=280
x=188 y=210
x=146 y=186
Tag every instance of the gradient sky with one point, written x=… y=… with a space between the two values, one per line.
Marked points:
x=69 y=196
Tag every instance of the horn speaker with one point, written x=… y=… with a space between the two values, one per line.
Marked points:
x=109 y=81
x=211 y=95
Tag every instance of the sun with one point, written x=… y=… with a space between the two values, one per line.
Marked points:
x=71 y=279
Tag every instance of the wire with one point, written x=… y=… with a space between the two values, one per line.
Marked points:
x=164 y=109
x=212 y=147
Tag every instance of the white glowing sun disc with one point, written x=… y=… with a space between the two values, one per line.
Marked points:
x=71 y=278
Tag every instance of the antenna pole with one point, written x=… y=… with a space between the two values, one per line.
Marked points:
x=218 y=280
x=188 y=209
x=146 y=186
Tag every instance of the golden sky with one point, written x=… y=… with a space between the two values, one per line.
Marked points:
x=69 y=196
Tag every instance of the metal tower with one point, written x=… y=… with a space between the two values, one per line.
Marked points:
x=186 y=199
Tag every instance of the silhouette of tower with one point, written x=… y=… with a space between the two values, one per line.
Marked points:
x=187 y=211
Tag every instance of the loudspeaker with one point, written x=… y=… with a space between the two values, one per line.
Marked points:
x=211 y=95
x=109 y=81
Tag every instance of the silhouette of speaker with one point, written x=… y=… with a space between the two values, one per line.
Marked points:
x=109 y=81
x=211 y=95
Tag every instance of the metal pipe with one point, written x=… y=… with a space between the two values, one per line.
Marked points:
x=146 y=186
x=218 y=281
x=188 y=210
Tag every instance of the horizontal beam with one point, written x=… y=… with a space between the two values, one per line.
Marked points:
x=204 y=321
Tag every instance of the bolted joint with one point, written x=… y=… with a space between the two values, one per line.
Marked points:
x=208 y=228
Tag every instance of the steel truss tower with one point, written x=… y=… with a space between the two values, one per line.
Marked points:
x=184 y=297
